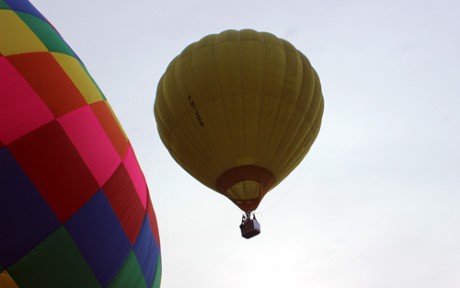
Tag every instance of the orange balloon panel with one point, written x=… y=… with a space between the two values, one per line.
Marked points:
x=239 y=110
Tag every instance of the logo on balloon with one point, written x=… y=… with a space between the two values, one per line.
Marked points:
x=197 y=113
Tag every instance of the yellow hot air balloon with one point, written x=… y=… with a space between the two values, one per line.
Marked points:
x=239 y=111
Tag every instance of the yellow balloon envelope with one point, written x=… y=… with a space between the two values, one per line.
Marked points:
x=239 y=111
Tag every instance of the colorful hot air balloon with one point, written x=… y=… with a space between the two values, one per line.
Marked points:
x=238 y=111
x=74 y=205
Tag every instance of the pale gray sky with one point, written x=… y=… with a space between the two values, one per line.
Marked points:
x=376 y=201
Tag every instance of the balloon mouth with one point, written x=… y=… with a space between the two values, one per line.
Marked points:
x=245 y=185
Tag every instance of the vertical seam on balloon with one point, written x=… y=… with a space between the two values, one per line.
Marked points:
x=260 y=196
x=273 y=156
x=299 y=125
x=195 y=128
x=255 y=96
x=292 y=158
x=161 y=123
x=197 y=95
x=177 y=86
x=222 y=102
x=294 y=134
x=209 y=123
x=165 y=103
x=243 y=105
x=223 y=96
x=262 y=36
x=271 y=130
x=263 y=96
x=316 y=121
x=291 y=155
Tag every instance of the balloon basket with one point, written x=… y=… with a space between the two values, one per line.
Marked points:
x=249 y=228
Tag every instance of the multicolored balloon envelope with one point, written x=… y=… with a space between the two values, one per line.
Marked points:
x=74 y=205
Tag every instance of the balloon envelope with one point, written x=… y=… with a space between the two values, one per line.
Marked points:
x=74 y=208
x=239 y=110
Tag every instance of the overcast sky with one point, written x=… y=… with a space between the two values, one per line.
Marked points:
x=376 y=201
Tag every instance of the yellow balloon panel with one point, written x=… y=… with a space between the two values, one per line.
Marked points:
x=239 y=111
